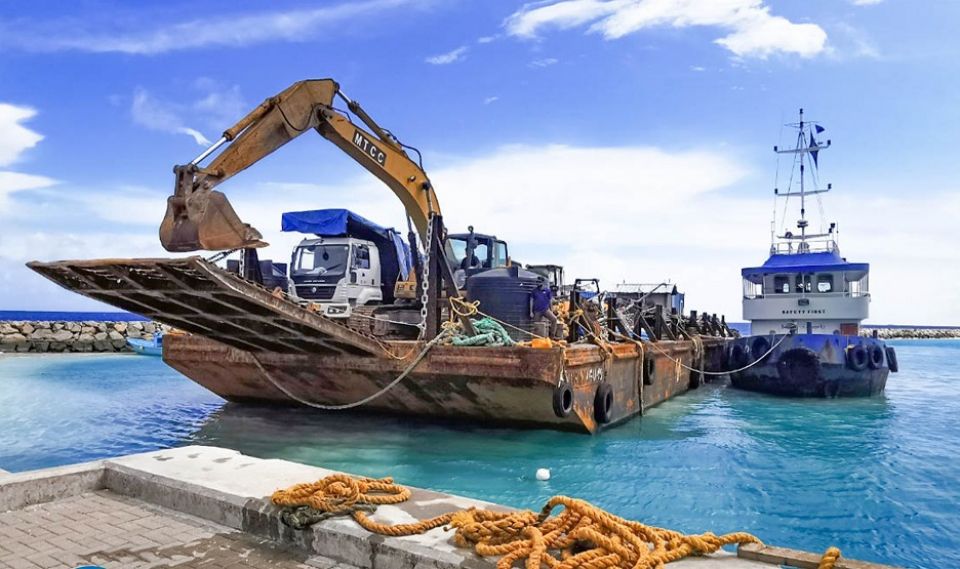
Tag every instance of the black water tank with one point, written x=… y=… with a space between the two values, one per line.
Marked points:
x=505 y=294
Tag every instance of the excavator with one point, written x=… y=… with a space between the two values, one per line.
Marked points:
x=198 y=217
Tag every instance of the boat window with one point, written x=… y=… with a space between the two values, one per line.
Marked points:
x=825 y=283
x=781 y=284
x=804 y=284
x=320 y=259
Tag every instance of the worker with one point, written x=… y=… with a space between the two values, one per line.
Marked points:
x=540 y=301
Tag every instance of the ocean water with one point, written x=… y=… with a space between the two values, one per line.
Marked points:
x=50 y=315
x=879 y=477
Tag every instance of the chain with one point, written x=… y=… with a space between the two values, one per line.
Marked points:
x=425 y=285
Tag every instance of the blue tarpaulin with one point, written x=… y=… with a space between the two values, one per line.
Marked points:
x=803 y=262
x=342 y=223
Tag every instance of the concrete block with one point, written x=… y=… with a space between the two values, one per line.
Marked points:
x=20 y=490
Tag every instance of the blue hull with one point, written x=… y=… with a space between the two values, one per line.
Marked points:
x=146 y=347
x=811 y=365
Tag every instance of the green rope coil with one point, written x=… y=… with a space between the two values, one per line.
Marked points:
x=489 y=333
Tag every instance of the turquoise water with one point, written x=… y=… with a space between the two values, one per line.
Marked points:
x=879 y=477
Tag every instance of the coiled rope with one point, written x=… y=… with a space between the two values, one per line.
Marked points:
x=581 y=536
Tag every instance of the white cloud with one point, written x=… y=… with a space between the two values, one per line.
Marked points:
x=865 y=2
x=544 y=62
x=14 y=137
x=230 y=30
x=452 y=56
x=492 y=99
x=752 y=30
x=149 y=112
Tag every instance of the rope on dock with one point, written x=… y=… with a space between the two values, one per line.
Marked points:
x=581 y=536
x=829 y=558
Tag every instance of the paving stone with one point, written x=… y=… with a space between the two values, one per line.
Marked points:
x=113 y=531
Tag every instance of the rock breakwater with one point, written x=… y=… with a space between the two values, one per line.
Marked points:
x=87 y=336
x=914 y=333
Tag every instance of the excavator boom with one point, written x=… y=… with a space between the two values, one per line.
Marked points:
x=200 y=218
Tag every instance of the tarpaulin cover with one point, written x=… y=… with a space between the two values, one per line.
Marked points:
x=394 y=252
x=821 y=261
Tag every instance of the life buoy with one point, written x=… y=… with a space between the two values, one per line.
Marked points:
x=875 y=356
x=739 y=356
x=857 y=357
x=759 y=348
x=603 y=403
x=563 y=399
x=892 y=364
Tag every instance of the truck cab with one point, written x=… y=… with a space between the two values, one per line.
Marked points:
x=336 y=272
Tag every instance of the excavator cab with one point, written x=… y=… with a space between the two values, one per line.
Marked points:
x=475 y=251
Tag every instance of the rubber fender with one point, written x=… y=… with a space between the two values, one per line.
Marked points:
x=603 y=403
x=875 y=356
x=857 y=357
x=759 y=347
x=892 y=363
x=739 y=356
x=563 y=399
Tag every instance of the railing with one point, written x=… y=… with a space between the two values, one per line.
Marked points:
x=812 y=246
x=794 y=295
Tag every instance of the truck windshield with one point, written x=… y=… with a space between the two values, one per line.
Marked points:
x=320 y=259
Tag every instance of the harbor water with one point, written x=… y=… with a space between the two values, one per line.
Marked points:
x=878 y=477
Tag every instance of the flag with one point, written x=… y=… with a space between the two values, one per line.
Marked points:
x=819 y=128
x=813 y=144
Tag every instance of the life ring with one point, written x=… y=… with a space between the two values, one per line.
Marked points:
x=875 y=356
x=892 y=359
x=857 y=357
x=603 y=403
x=759 y=347
x=563 y=399
x=739 y=356
x=648 y=370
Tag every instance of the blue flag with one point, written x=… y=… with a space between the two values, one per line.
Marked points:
x=819 y=128
x=813 y=144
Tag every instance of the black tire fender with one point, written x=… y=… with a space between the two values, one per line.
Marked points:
x=892 y=363
x=739 y=356
x=649 y=369
x=563 y=399
x=603 y=403
x=857 y=357
x=875 y=356
x=759 y=347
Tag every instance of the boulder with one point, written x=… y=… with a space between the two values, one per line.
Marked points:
x=149 y=327
x=44 y=324
x=7 y=328
x=58 y=325
x=27 y=328
x=15 y=339
x=100 y=336
x=120 y=327
x=138 y=326
x=41 y=346
x=41 y=334
x=88 y=330
x=62 y=336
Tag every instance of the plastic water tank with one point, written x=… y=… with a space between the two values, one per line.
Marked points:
x=505 y=294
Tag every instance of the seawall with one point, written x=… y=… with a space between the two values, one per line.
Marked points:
x=62 y=336
x=911 y=333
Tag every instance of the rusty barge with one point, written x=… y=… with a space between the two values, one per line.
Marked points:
x=246 y=344
x=330 y=339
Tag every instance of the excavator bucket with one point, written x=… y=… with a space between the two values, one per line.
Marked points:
x=205 y=220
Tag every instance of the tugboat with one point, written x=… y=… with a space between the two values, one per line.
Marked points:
x=806 y=302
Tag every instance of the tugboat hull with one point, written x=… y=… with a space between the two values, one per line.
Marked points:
x=810 y=365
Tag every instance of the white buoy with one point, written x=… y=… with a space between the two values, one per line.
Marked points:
x=543 y=474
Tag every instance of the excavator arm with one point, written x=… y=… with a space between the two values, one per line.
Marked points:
x=200 y=218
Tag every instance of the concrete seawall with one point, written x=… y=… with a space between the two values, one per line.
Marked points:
x=196 y=501
x=87 y=336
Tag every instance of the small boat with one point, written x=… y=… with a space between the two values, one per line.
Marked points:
x=153 y=347
x=806 y=302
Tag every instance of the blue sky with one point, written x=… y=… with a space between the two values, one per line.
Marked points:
x=626 y=139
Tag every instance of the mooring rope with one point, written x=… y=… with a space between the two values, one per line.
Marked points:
x=581 y=536
x=363 y=401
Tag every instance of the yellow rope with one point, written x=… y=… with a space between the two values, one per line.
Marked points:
x=581 y=536
x=829 y=559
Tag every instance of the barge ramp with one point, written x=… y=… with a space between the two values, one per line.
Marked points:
x=208 y=507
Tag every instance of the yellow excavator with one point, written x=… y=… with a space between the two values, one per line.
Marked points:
x=198 y=217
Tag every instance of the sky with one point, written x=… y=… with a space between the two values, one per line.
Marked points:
x=628 y=140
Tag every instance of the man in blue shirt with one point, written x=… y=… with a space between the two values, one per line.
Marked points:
x=540 y=301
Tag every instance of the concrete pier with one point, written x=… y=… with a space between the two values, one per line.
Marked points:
x=209 y=507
